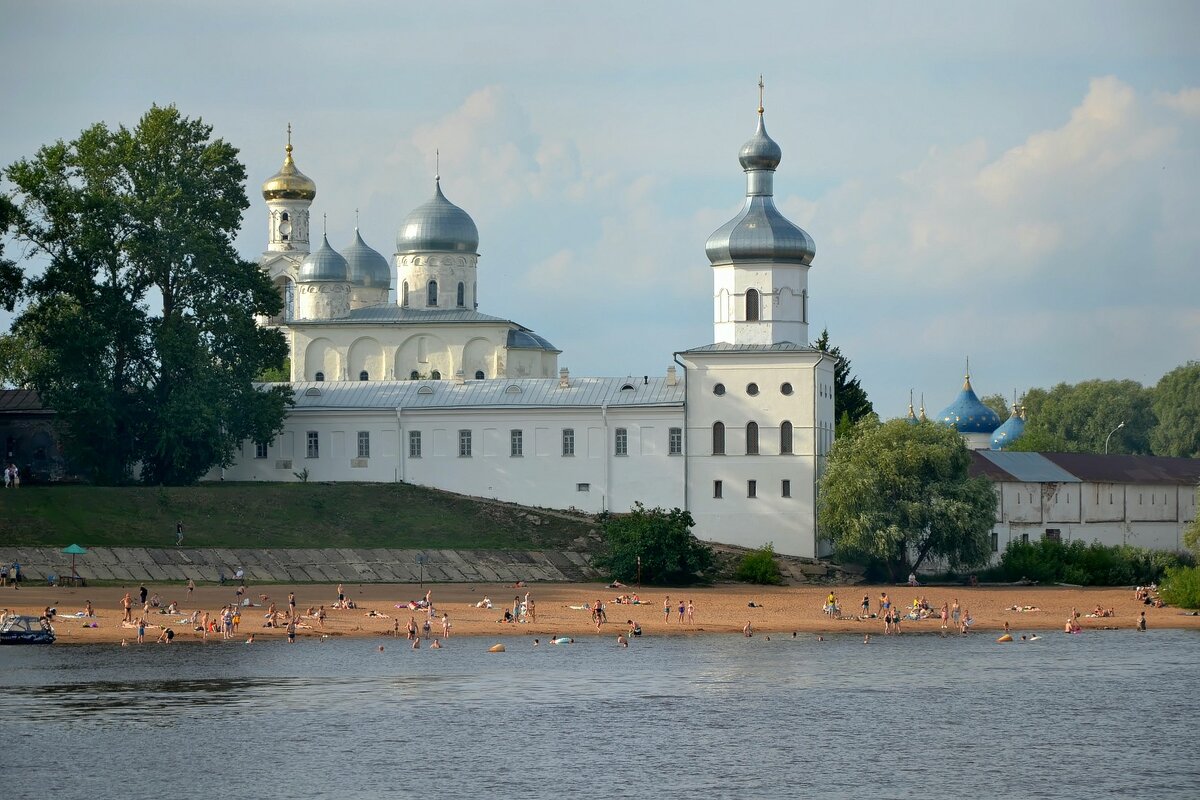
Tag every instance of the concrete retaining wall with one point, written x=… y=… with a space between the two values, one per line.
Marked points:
x=136 y=564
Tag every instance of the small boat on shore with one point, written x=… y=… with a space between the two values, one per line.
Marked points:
x=18 y=629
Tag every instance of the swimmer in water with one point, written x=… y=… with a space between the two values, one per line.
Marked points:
x=416 y=644
x=622 y=641
x=535 y=643
x=866 y=638
x=437 y=645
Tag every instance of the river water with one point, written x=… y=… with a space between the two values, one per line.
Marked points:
x=1104 y=714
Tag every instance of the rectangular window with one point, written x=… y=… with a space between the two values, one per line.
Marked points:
x=751 y=488
x=1024 y=538
x=414 y=444
x=516 y=439
x=717 y=489
x=622 y=442
x=583 y=487
x=995 y=542
x=568 y=442
x=314 y=445
x=1054 y=534
x=464 y=444
x=785 y=488
x=260 y=449
x=675 y=441
x=364 y=444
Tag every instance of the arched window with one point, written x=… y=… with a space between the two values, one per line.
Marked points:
x=751 y=305
x=462 y=294
x=785 y=437
x=431 y=294
x=478 y=374
x=804 y=306
x=414 y=375
x=475 y=294
x=718 y=438
x=320 y=376
x=435 y=375
x=751 y=438
x=364 y=376
x=404 y=293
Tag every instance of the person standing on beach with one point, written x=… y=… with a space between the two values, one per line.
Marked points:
x=142 y=594
x=667 y=609
x=691 y=613
x=292 y=605
x=445 y=625
x=412 y=628
x=955 y=612
x=291 y=631
x=191 y=587
x=127 y=604
x=682 y=611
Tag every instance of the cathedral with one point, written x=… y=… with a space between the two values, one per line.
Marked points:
x=398 y=376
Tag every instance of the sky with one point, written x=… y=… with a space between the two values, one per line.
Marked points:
x=1013 y=183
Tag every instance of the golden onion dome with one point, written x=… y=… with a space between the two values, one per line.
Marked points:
x=289 y=183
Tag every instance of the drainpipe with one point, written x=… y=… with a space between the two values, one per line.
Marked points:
x=687 y=444
x=607 y=457
x=400 y=436
x=817 y=460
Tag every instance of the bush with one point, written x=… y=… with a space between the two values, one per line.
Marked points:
x=759 y=566
x=656 y=543
x=1180 y=587
x=1051 y=561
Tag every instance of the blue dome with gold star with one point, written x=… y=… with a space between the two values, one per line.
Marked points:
x=968 y=414
x=1009 y=432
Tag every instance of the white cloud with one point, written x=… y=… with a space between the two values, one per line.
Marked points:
x=1185 y=101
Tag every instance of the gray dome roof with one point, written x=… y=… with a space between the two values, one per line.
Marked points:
x=760 y=152
x=438 y=225
x=324 y=264
x=528 y=340
x=367 y=267
x=760 y=232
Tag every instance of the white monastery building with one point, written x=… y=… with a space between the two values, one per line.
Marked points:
x=429 y=390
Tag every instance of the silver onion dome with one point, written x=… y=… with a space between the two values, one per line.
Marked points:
x=324 y=264
x=760 y=232
x=367 y=267
x=438 y=225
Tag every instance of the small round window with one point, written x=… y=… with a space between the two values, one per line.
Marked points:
x=752 y=389
x=786 y=388
x=719 y=389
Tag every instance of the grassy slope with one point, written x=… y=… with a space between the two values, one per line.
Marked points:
x=303 y=515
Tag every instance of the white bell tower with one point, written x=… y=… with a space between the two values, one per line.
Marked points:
x=289 y=194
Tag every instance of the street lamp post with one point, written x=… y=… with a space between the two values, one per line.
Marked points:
x=1114 y=430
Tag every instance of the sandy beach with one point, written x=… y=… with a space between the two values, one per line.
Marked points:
x=723 y=609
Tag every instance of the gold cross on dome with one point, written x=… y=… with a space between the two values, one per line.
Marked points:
x=760 y=94
x=289 y=144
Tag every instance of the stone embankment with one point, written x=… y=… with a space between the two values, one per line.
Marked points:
x=137 y=564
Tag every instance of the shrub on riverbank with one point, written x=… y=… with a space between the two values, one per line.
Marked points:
x=759 y=566
x=1050 y=561
x=1180 y=587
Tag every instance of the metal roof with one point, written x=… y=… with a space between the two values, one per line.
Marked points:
x=1129 y=469
x=1029 y=467
x=778 y=347
x=17 y=400
x=490 y=393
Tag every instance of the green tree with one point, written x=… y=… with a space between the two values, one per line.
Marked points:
x=1080 y=417
x=997 y=403
x=131 y=221
x=1176 y=405
x=10 y=273
x=896 y=494
x=849 y=398
x=663 y=542
x=1040 y=442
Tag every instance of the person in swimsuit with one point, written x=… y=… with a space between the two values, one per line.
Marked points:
x=667 y=609
x=291 y=631
x=682 y=610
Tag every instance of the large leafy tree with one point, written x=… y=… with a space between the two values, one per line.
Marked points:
x=1079 y=417
x=660 y=542
x=896 y=495
x=997 y=403
x=140 y=331
x=850 y=403
x=1177 y=406
x=10 y=273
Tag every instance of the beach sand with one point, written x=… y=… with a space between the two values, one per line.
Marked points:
x=722 y=609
